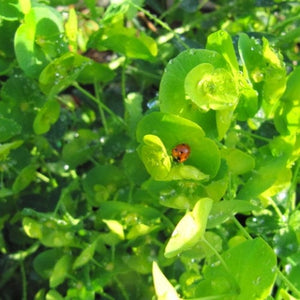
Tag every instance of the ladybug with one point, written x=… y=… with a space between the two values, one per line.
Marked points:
x=181 y=152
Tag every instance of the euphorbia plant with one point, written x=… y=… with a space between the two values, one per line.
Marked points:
x=214 y=104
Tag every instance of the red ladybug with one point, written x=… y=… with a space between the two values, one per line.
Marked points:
x=181 y=152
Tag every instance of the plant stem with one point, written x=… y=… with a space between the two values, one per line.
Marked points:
x=288 y=283
x=90 y=96
x=123 y=80
x=212 y=248
x=24 y=280
x=101 y=111
x=241 y=228
x=292 y=188
x=161 y=23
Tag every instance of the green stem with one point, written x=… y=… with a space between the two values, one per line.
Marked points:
x=123 y=80
x=161 y=23
x=212 y=248
x=122 y=289
x=24 y=280
x=277 y=210
x=288 y=284
x=90 y=96
x=143 y=72
x=241 y=228
x=256 y=136
x=101 y=110
x=291 y=198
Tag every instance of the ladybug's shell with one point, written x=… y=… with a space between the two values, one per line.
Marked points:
x=181 y=152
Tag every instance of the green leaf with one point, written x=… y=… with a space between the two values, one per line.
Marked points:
x=155 y=157
x=115 y=227
x=265 y=68
x=243 y=281
x=287 y=116
x=221 y=42
x=133 y=111
x=54 y=295
x=190 y=229
x=32 y=228
x=85 y=256
x=163 y=288
x=79 y=150
x=95 y=72
x=224 y=119
x=211 y=88
x=57 y=236
x=8 y=129
x=285 y=242
x=6 y=148
x=134 y=168
x=60 y=270
x=263 y=178
x=223 y=210
x=45 y=261
x=172 y=130
x=71 y=27
x=10 y=10
x=101 y=183
x=172 y=94
x=46 y=117
x=39 y=39
x=62 y=72
x=126 y=41
x=24 y=178
x=238 y=161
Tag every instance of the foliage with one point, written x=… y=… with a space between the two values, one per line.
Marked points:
x=93 y=205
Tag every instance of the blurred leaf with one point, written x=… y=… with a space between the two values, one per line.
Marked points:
x=79 y=150
x=85 y=256
x=285 y=242
x=8 y=129
x=71 y=28
x=44 y=262
x=24 y=178
x=116 y=227
x=101 y=183
x=224 y=210
x=163 y=288
x=60 y=270
x=238 y=161
x=46 y=117
x=6 y=148
x=39 y=39
x=287 y=116
x=32 y=228
x=133 y=111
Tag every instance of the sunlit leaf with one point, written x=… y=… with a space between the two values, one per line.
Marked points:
x=190 y=229
x=163 y=288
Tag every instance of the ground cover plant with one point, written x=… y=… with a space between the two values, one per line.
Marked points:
x=149 y=149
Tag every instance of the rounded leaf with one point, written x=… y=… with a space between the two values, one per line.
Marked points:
x=155 y=157
x=172 y=94
x=47 y=116
x=211 y=88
